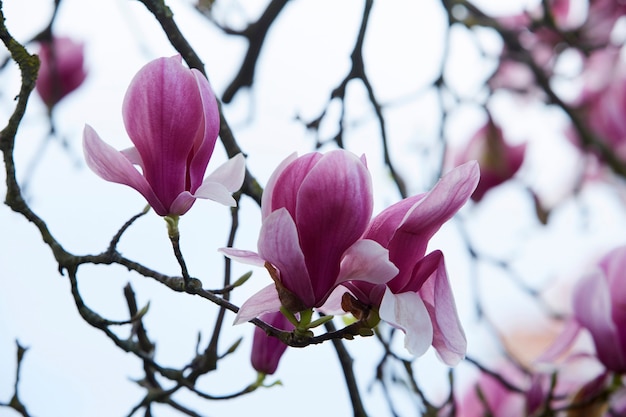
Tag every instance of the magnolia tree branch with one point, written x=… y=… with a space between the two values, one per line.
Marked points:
x=255 y=33
x=15 y=403
x=357 y=72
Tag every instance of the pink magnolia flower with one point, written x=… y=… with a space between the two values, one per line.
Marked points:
x=602 y=15
x=600 y=307
x=498 y=160
x=171 y=116
x=514 y=395
x=267 y=350
x=603 y=100
x=314 y=210
x=419 y=300
x=61 y=70
x=599 y=302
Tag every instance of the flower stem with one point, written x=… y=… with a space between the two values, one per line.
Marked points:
x=174 y=235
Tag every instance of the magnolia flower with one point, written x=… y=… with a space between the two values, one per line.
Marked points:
x=267 y=350
x=419 y=300
x=315 y=209
x=498 y=160
x=171 y=116
x=600 y=307
x=525 y=395
x=599 y=304
x=61 y=70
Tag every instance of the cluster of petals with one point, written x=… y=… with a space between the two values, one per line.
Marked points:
x=600 y=307
x=499 y=161
x=593 y=23
x=61 y=69
x=171 y=116
x=315 y=209
x=419 y=299
x=602 y=101
x=318 y=238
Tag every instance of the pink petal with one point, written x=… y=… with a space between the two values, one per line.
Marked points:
x=205 y=143
x=163 y=115
x=182 y=203
x=449 y=338
x=113 y=166
x=614 y=265
x=267 y=350
x=280 y=246
x=243 y=256
x=264 y=301
x=266 y=198
x=592 y=309
x=367 y=261
x=428 y=214
x=562 y=343
x=407 y=312
x=334 y=206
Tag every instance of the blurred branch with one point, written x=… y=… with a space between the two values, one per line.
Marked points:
x=589 y=141
x=16 y=403
x=346 y=365
x=255 y=33
x=357 y=71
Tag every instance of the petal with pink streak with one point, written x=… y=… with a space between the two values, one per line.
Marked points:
x=614 y=265
x=425 y=218
x=266 y=198
x=284 y=192
x=592 y=309
x=407 y=312
x=182 y=203
x=163 y=115
x=367 y=261
x=280 y=246
x=264 y=301
x=113 y=166
x=334 y=206
x=204 y=142
x=449 y=338
x=243 y=256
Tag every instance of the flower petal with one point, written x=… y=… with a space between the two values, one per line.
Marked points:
x=264 y=301
x=112 y=165
x=205 y=142
x=243 y=256
x=449 y=338
x=267 y=350
x=266 y=198
x=182 y=203
x=427 y=215
x=279 y=245
x=367 y=261
x=163 y=115
x=230 y=174
x=592 y=309
x=334 y=206
x=407 y=312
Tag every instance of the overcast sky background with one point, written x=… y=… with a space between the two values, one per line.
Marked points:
x=72 y=369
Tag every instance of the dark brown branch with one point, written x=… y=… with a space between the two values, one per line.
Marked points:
x=255 y=33
x=16 y=403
